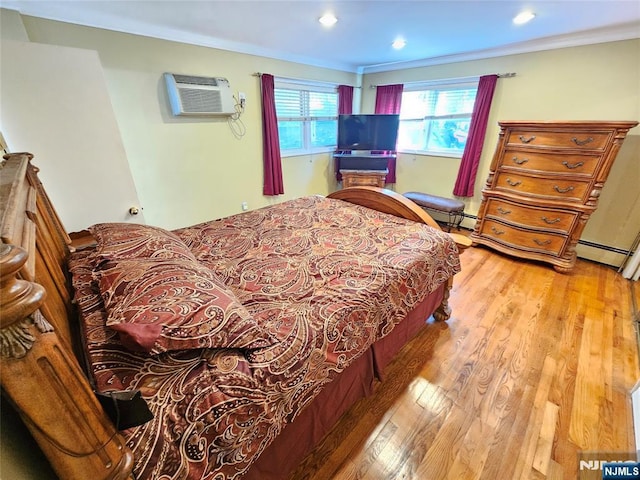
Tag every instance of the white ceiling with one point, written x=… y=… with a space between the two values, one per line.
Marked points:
x=436 y=31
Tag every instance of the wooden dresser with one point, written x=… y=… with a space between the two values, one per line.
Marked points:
x=543 y=184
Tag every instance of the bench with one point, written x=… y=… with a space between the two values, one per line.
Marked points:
x=454 y=209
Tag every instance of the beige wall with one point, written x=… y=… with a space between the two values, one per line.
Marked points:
x=55 y=104
x=597 y=82
x=189 y=170
x=11 y=26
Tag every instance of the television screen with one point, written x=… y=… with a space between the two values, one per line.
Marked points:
x=368 y=132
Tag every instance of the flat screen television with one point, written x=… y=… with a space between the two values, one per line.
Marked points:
x=368 y=131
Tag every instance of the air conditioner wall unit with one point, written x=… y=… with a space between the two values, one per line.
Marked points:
x=200 y=96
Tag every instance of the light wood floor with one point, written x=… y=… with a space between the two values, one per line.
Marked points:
x=533 y=367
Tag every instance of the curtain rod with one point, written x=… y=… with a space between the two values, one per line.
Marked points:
x=302 y=80
x=293 y=79
x=453 y=80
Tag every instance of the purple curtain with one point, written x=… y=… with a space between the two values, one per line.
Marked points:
x=388 y=100
x=479 y=118
x=345 y=99
x=345 y=107
x=273 y=183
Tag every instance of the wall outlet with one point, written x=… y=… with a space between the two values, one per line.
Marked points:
x=242 y=96
x=245 y=206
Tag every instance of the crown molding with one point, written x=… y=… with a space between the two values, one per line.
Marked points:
x=627 y=31
x=64 y=12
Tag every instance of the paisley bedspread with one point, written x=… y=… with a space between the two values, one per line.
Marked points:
x=325 y=278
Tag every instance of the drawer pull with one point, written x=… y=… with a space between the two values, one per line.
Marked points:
x=550 y=222
x=513 y=183
x=519 y=161
x=542 y=243
x=580 y=143
x=523 y=139
x=503 y=211
x=572 y=165
x=562 y=190
x=496 y=231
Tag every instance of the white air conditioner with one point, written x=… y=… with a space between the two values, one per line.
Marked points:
x=203 y=96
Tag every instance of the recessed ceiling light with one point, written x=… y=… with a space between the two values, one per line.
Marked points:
x=328 y=19
x=523 y=17
x=399 y=43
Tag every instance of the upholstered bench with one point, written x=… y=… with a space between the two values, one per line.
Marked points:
x=451 y=207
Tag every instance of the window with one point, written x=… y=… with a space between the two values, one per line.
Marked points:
x=307 y=117
x=435 y=117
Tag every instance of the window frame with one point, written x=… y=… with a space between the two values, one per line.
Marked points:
x=438 y=85
x=306 y=87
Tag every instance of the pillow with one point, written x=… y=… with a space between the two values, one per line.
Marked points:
x=133 y=240
x=159 y=305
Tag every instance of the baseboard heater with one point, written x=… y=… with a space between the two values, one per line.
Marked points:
x=607 y=248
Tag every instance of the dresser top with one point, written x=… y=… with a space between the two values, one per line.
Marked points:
x=555 y=124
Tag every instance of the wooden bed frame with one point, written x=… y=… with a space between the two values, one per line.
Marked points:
x=40 y=373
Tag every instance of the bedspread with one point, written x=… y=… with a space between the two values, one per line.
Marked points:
x=324 y=277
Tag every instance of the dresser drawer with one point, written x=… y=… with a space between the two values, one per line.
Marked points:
x=360 y=182
x=530 y=216
x=363 y=178
x=573 y=164
x=569 y=190
x=522 y=239
x=541 y=138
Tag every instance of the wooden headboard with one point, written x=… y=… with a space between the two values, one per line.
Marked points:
x=393 y=203
x=40 y=374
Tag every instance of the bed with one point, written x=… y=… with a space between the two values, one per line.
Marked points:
x=248 y=336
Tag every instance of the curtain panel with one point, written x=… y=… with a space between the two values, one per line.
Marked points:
x=345 y=107
x=465 y=182
x=273 y=181
x=388 y=100
x=345 y=99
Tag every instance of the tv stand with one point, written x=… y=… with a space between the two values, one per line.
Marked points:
x=362 y=160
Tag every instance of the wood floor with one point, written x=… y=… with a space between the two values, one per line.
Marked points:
x=533 y=367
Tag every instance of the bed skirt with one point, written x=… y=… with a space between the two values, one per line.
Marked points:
x=357 y=381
